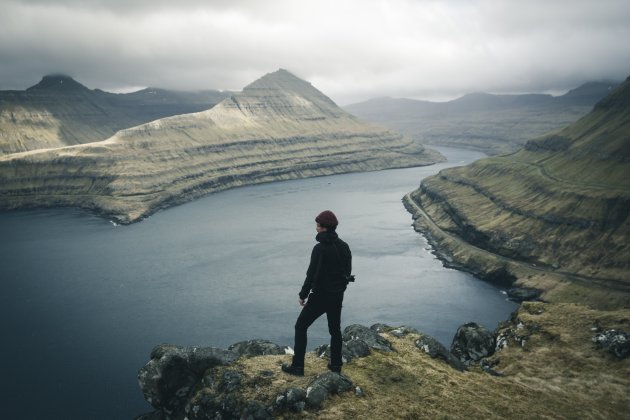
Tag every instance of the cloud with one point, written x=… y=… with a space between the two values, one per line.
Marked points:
x=351 y=50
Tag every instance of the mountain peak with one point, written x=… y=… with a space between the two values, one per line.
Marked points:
x=284 y=83
x=280 y=78
x=58 y=83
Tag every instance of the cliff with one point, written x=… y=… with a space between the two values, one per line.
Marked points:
x=560 y=205
x=59 y=111
x=547 y=361
x=279 y=127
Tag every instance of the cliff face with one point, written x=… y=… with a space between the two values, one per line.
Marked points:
x=59 y=111
x=562 y=203
x=279 y=127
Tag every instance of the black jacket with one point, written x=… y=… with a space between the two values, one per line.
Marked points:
x=331 y=262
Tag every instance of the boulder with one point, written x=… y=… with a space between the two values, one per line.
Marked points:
x=472 y=342
x=349 y=350
x=252 y=348
x=436 y=350
x=616 y=342
x=293 y=399
x=367 y=335
x=220 y=396
x=166 y=380
x=324 y=385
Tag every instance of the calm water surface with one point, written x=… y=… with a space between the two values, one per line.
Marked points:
x=84 y=301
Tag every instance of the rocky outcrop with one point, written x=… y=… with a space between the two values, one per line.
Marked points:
x=205 y=382
x=252 y=348
x=616 y=342
x=472 y=342
x=325 y=385
x=369 y=336
x=436 y=350
x=561 y=204
x=169 y=377
x=280 y=127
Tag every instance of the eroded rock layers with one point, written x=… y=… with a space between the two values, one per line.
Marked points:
x=562 y=202
x=280 y=127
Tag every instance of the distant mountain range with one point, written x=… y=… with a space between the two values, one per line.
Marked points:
x=561 y=203
x=59 y=111
x=491 y=123
x=279 y=127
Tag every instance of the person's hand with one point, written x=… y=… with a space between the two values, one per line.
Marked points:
x=301 y=302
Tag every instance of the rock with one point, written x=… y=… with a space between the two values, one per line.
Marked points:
x=255 y=410
x=251 y=348
x=325 y=384
x=166 y=380
x=349 y=350
x=293 y=399
x=488 y=365
x=357 y=348
x=403 y=331
x=231 y=381
x=369 y=336
x=472 y=342
x=436 y=350
x=379 y=328
x=616 y=342
x=358 y=391
x=220 y=396
x=522 y=294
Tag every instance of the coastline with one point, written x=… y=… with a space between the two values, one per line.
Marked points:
x=545 y=362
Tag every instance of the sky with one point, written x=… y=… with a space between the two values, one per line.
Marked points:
x=352 y=50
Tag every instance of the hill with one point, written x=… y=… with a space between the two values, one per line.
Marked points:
x=562 y=203
x=59 y=111
x=494 y=124
x=279 y=127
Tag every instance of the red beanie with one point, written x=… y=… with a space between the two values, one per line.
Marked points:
x=327 y=219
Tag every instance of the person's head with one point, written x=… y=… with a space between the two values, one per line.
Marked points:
x=326 y=220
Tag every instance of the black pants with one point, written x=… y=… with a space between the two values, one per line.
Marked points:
x=317 y=305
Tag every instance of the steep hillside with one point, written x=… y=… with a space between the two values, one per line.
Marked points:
x=561 y=204
x=494 y=124
x=279 y=127
x=59 y=111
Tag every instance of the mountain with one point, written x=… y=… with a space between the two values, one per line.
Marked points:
x=494 y=124
x=279 y=127
x=59 y=111
x=560 y=204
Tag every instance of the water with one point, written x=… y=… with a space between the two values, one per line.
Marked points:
x=84 y=301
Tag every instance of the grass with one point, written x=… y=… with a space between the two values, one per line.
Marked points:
x=556 y=374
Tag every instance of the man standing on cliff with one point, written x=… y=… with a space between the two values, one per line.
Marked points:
x=326 y=280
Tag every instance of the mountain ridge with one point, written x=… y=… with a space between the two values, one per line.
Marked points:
x=59 y=111
x=264 y=133
x=494 y=124
x=562 y=201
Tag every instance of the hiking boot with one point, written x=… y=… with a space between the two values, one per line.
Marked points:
x=332 y=368
x=293 y=370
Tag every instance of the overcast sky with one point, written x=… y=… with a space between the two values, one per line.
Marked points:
x=350 y=50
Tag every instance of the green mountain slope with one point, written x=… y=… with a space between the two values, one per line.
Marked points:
x=494 y=124
x=58 y=111
x=561 y=203
x=280 y=127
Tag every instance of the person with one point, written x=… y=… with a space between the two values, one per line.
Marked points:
x=326 y=280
